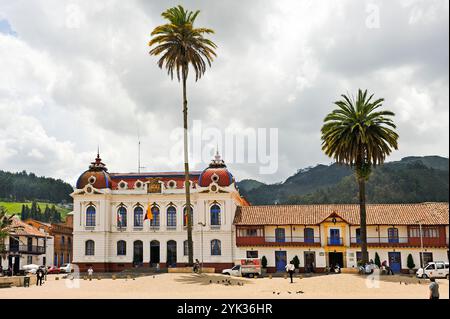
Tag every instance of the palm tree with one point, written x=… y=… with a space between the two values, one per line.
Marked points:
x=358 y=134
x=5 y=227
x=181 y=45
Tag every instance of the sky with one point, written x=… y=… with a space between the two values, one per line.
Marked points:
x=77 y=75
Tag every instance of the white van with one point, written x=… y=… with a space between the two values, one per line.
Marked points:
x=250 y=267
x=438 y=269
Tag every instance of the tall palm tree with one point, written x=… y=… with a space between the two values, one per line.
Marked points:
x=5 y=227
x=358 y=134
x=181 y=45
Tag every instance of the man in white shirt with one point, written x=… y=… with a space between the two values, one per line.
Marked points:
x=290 y=268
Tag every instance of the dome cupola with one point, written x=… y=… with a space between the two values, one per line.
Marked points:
x=97 y=175
x=216 y=172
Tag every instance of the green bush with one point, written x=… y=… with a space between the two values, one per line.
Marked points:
x=296 y=262
x=377 y=260
x=264 y=262
x=410 y=262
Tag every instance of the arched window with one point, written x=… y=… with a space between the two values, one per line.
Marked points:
x=171 y=217
x=138 y=217
x=63 y=240
x=185 y=248
x=393 y=235
x=308 y=234
x=121 y=248
x=185 y=217
x=89 y=248
x=122 y=217
x=155 y=221
x=216 y=249
x=215 y=215
x=90 y=216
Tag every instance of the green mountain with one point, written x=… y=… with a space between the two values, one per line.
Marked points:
x=412 y=179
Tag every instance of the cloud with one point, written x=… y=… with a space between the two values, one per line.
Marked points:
x=77 y=74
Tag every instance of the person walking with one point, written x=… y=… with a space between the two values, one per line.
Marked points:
x=434 y=289
x=90 y=272
x=197 y=266
x=290 y=269
x=39 y=277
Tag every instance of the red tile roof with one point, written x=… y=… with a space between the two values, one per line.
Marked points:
x=19 y=228
x=377 y=214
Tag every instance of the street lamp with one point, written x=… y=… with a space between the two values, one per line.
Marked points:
x=201 y=243
x=421 y=242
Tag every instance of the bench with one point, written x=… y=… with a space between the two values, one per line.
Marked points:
x=6 y=284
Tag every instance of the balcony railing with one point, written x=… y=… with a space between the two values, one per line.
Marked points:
x=273 y=240
x=171 y=227
x=381 y=240
x=25 y=249
x=335 y=241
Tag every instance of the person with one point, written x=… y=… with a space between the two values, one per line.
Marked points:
x=312 y=267
x=337 y=268
x=387 y=268
x=290 y=268
x=434 y=289
x=1 y=270
x=90 y=272
x=39 y=276
x=196 y=266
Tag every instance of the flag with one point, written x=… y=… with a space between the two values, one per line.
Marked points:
x=119 y=219
x=149 y=214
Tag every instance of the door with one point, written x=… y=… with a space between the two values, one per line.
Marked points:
x=14 y=263
x=309 y=235
x=395 y=261
x=335 y=237
x=280 y=260
x=154 y=253
x=236 y=271
x=358 y=235
x=310 y=261
x=138 y=252
x=280 y=235
x=171 y=253
x=393 y=235
x=335 y=259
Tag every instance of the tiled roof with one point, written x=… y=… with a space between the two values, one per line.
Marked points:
x=19 y=228
x=377 y=214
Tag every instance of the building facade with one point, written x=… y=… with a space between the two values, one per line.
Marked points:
x=26 y=245
x=322 y=236
x=62 y=239
x=111 y=232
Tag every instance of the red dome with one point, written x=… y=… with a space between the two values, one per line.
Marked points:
x=217 y=172
x=96 y=176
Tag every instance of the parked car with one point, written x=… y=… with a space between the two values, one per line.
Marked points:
x=250 y=267
x=53 y=270
x=31 y=268
x=438 y=269
x=66 y=268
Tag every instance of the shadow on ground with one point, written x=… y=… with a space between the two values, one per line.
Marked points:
x=208 y=279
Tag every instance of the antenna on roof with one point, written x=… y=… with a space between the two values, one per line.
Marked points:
x=139 y=152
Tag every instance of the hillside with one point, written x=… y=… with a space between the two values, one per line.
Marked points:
x=412 y=179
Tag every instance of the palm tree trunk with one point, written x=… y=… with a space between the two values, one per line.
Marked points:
x=186 y=175
x=363 y=225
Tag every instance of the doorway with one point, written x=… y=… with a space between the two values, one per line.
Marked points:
x=310 y=261
x=171 y=253
x=280 y=260
x=154 y=253
x=395 y=261
x=138 y=253
x=335 y=259
x=14 y=263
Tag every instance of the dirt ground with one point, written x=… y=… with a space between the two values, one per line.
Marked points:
x=215 y=286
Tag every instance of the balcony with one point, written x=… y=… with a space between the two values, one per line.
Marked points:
x=335 y=241
x=401 y=241
x=171 y=227
x=277 y=241
x=25 y=249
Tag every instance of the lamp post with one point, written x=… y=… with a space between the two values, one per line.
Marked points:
x=421 y=242
x=201 y=243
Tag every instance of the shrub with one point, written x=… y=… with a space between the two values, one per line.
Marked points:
x=377 y=260
x=410 y=262
x=264 y=262
x=296 y=262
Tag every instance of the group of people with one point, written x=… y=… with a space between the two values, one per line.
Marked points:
x=370 y=267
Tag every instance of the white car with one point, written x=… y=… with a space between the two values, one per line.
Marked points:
x=31 y=268
x=66 y=268
x=438 y=269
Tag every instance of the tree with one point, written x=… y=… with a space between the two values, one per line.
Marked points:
x=377 y=260
x=361 y=136
x=296 y=262
x=264 y=262
x=5 y=227
x=410 y=262
x=181 y=45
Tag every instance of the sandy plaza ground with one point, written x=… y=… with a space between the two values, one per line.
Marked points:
x=205 y=286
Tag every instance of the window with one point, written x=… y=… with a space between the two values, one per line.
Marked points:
x=171 y=217
x=280 y=235
x=69 y=241
x=122 y=217
x=429 y=232
x=138 y=217
x=155 y=221
x=215 y=248
x=121 y=248
x=308 y=234
x=29 y=260
x=90 y=216
x=393 y=235
x=62 y=240
x=185 y=222
x=185 y=248
x=55 y=259
x=215 y=215
x=62 y=258
x=358 y=235
x=250 y=232
x=426 y=257
x=252 y=254
x=89 y=248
